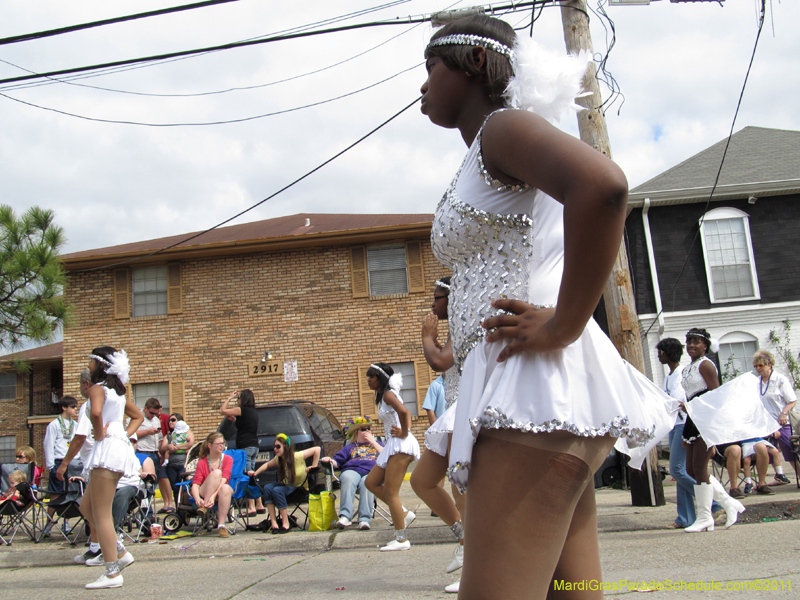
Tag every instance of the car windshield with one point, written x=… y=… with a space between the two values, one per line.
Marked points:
x=281 y=419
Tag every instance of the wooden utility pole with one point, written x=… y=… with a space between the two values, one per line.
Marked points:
x=623 y=322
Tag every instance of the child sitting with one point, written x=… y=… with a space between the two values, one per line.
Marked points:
x=18 y=489
x=179 y=436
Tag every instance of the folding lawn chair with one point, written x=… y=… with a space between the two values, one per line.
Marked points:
x=242 y=489
x=141 y=512
x=66 y=505
x=20 y=514
x=377 y=509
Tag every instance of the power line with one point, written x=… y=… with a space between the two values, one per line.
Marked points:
x=153 y=13
x=241 y=120
x=260 y=202
x=719 y=171
x=242 y=44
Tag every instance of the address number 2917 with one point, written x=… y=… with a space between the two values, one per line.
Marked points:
x=263 y=368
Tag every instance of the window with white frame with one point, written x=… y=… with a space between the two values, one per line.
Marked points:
x=143 y=391
x=736 y=354
x=150 y=291
x=8 y=445
x=409 y=392
x=728 y=255
x=387 y=270
x=8 y=387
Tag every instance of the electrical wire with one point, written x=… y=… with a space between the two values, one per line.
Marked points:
x=117 y=69
x=240 y=120
x=260 y=202
x=229 y=46
x=719 y=172
x=153 y=13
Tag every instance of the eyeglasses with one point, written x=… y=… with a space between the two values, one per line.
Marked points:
x=366 y=429
x=22 y=456
x=218 y=444
x=277 y=447
x=173 y=420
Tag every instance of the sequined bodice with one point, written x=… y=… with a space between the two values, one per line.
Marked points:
x=389 y=417
x=485 y=232
x=692 y=380
x=451 y=380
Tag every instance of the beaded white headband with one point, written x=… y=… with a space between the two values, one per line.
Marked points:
x=442 y=284
x=460 y=39
x=100 y=359
x=377 y=368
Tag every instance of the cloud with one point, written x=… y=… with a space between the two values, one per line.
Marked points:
x=680 y=67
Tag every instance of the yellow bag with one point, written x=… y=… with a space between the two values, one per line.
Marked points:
x=321 y=511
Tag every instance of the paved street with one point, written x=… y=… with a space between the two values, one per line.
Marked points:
x=742 y=554
x=636 y=546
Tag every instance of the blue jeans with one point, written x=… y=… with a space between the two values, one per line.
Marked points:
x=351 y=481
x=683 y=482
x=275 y=493
x=250 y=462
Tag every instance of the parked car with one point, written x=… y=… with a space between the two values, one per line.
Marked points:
x=306 y=423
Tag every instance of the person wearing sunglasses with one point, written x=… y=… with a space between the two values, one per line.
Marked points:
x=26 y=454
x=356 y=460
x=292 y=473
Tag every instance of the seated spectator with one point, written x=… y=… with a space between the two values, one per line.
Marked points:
x=210 y=482
x=778 y=396
x=732 y=454
x=762 y=449
x=292 y=473
x=127 y=488
x=26 y=454
x=174 y=446
x=356 y=460
x=19 y=491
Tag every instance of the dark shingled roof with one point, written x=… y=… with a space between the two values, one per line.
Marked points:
x=755 y=154
x=49 y=352
x=280 y=227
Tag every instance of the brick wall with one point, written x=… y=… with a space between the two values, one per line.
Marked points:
x=297 y=304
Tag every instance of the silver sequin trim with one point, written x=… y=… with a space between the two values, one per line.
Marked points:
x=112 y=568
x=461 y=39
x=618 y=427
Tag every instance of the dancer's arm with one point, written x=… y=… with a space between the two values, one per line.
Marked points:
x=97 y=396
x=439 y=358
x=132 y=411
x=521 y=146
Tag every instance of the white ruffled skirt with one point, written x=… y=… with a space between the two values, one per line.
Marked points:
x=114 y=452
x=396 y=445
x=438 y=434
x=586 y=389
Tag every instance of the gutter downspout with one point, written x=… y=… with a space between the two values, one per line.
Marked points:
x=652 y=260
x=30 y=408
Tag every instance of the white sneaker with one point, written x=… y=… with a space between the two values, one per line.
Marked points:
x=343 y=522
x=88 y=555
x=363 y=526
x=394 y=545
x=458 y=559
x=453 y=587
x=104 y=582
x=97 y=561
x=126 y=560
x=409 y=519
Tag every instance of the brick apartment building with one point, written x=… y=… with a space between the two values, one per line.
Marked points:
x=327 y=293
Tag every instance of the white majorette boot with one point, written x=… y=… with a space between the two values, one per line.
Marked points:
x=731 y=505
x=704 y=496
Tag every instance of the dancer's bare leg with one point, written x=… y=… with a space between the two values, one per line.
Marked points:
x=425 y=479
x=102 y=486
x=385 y=484
x=539 y=491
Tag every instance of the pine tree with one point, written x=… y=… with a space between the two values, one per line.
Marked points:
x=31 y=277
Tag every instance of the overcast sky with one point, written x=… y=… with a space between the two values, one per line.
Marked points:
x=680 y=67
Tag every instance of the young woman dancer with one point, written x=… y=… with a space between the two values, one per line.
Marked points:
x=112 y=456
x=698 y=378
x=432 y=466
x=292 y=473
x=537 y=215
x=401 y=448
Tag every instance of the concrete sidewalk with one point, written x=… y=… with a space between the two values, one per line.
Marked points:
x=615 y=514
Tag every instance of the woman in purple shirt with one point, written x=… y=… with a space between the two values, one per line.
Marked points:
x=356 y=460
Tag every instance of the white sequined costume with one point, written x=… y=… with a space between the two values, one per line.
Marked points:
x=390 y=418
x=508 y=242
x=438 y=434
x=115 y=451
